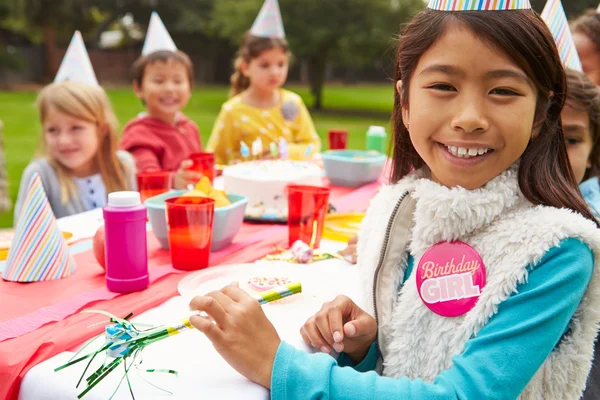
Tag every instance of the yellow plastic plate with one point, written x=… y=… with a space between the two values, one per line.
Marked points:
x=341 y=227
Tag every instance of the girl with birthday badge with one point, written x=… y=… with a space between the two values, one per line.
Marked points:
x=478 y=263
x=262 y=116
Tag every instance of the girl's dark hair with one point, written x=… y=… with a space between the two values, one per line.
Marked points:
x=583 y=95
x=252 y=47
x=589 y=25
x=545 y=175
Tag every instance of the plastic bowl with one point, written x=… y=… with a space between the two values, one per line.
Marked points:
x=353 y=168
x=227 y=223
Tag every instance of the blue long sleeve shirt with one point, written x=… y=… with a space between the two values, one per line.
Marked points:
x=496 y=364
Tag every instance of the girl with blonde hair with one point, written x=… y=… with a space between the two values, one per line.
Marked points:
x=79 y=163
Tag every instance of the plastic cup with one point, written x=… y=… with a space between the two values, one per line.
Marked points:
x=190 y=226
x=204 y=163
x=338 y=139
x=307 y=207
x=153 y=183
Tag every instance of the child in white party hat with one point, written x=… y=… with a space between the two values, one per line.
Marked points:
x=480 y=263
x=79 y=162
x=162 y=138
x=260 y=109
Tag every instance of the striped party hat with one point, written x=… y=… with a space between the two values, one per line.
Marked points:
x=478 y=5
x=38 y=251
x=556 y=19
x=268 y=23
x=158 y=37
x=76 y=65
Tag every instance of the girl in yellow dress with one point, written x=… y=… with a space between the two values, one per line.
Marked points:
x=259 y=108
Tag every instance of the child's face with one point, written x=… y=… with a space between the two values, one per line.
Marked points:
x=471 y=110
x=71 y=141
x=165 y=89
x=576 y=128
x=589 y=56
x=268 y=71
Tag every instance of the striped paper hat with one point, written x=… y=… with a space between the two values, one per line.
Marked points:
x=556 y=19
x=268 y=24
x=478 y=5
x=158 y=37
x=38 y=251
x=76 y=65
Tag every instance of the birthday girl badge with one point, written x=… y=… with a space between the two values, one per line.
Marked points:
x=450 y=278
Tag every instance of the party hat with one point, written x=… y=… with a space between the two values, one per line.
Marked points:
x=598 y=9
x=38 y=251
x=478 y=5
x=268 y=24
x=556 y=19
x=76 y=65
x=158 y=37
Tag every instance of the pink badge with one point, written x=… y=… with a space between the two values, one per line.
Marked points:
x=450 y=278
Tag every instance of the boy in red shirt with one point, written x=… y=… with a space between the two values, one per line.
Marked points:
x=162 y=138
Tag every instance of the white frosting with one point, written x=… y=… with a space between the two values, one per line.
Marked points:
x=264 y=182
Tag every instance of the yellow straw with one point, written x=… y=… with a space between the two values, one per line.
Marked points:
x=313 y=239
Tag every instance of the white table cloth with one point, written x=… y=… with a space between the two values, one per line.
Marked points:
x=203 y=374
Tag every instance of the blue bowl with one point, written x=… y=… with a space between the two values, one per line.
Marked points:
x=353 y=168
x=227 y=223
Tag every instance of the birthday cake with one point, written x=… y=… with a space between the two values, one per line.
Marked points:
x=264 y=183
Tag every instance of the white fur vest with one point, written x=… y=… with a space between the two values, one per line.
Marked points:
x=510 y=234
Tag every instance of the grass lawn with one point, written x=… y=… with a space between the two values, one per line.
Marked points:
x=344 y=104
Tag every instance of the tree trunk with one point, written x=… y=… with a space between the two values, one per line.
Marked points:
x=317 y=66
x=51 y=66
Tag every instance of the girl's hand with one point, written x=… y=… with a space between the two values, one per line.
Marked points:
x=343 y=326
x=185 y=177
x=349 y=252
x=239 y=330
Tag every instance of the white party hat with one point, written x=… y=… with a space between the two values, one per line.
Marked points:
x=157 y=37
x=268 y=24
x=76 y=65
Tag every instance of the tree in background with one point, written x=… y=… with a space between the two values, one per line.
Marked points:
x=48 y=21
x=357 y=32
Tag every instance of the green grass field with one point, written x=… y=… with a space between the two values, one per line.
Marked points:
x=346 y=107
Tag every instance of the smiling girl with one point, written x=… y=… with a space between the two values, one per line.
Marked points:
x=80 y=163
x=480 y=177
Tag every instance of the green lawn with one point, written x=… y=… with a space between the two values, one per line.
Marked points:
x=344 y=106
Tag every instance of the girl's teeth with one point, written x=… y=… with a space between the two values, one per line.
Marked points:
x=463 y=152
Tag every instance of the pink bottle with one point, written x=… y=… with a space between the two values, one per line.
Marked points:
x=125 y=250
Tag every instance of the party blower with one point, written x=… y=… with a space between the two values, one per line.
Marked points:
x=125 y=343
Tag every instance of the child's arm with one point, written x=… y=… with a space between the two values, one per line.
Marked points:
x=497 y=363
x=222 y=139
x=141 y=144
x=305 y=136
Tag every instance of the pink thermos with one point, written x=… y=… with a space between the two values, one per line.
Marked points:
x=125 y=249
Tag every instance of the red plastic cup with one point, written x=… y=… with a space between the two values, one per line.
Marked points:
x=307 y=207
x=204 y=163
x=153 y=183
x=338 y=139
x=190 y=225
